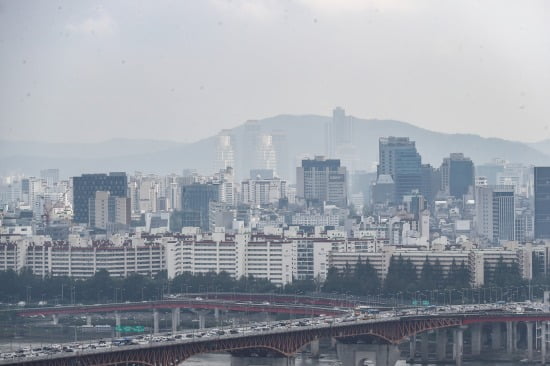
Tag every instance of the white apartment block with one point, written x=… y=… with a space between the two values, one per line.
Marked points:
x=259 y=192
x=277 y=258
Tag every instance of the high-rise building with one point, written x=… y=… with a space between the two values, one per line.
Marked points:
x=399 y=159
x=263 y=191
x=457 y=175
x=495 y=212
x=431 y=182
x=341 y=131
x=50 y=176
x=322 y=180
x=383 y=191
x=85 y=187
x=225 y=152
x=108 y=212
x=266 y=157
x=542 y=202
x=280 y=144
x=249 y=147
x=490 y=171
x=196 y=198
x=339 y=140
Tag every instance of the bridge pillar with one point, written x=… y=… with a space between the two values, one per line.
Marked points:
x=314 y=348
x=262 y=361
x=476 y=339
x=202 y=320
x=543 y=336
x=117 y=323
x=441 y=344
x=55 y=319
x=510 y=337
x=175 y=319
x=217 y=314
x=458 y=345
x=333 y=343
x=496 y=336
x=358 y=354
x=424 y=346
x=88 y=320
x=529 y=341
x=412 y=347
x=155 y=321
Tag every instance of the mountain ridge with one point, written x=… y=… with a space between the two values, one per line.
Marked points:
x=305 y=137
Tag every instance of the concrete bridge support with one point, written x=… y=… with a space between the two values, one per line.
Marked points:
x=458 y=345
x=155 y=321
x=510 y=339
x=441 y=344
x=55 y=319
x=529 y=341
x=202 y=317
x=202 y=320
x=357 y=354
x=475 y=330
x=412 y=346
x=424 y=346
x=88 y=320
x=261 y=361
x=217 y=314
x=496 y=336
x=117 y=323
x=543 y=336
x=175 y=319
x=314 y=348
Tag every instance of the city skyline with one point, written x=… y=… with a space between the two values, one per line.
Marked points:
x=85 y=72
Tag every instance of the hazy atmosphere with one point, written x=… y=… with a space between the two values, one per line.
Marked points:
x=89 y=71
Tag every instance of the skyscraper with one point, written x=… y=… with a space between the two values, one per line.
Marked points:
x=322 y=180
x=542 y=202
x=457 y=175
x=431 y=182
x=85 y=187
x=108 y=212
x=196 y=199
x=495 y=212
x=339 y=140
x=225 y=152
x=280 y=144
x=249 y=147
x=51 y=176
x=399 y=159
x=266 y=157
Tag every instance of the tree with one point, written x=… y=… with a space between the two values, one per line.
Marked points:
x=332 y=282
x=366 y=278
x=427 y=280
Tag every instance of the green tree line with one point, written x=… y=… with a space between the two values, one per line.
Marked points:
x=360 y=279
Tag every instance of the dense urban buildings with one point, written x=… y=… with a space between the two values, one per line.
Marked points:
x=542 y=202
x=247 y=217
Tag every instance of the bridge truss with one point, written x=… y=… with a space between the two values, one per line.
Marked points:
x=285 y=342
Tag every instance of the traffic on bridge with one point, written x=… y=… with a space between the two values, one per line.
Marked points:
x=380 y=332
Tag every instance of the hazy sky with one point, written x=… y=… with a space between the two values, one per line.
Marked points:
x=183 y=70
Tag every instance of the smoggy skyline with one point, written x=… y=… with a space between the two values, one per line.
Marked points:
x=92 y=71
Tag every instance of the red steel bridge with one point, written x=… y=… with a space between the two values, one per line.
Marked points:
x=281 y=342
